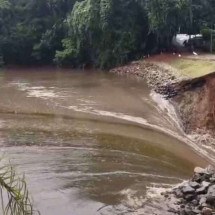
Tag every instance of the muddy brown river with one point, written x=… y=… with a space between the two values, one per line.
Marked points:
x=91 y=142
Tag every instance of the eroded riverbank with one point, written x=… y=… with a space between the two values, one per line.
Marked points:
x=192 y=97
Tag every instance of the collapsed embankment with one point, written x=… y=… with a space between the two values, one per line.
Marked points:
x=194 y=99
x=196 y=103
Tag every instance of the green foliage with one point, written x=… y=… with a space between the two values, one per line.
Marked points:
x=166 y=17
x=105 y=32
x=206 y=33
x=4 y=4
x=69 y=55
x=102 y=33
x=13 y=192
x=31 y=30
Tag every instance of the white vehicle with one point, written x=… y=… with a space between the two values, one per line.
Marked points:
x=180 y=40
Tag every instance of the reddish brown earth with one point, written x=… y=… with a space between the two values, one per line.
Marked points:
x=197 y=105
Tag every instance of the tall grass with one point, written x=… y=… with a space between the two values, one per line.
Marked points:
x=14 y=196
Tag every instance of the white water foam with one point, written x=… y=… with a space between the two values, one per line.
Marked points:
x=141 y=121
x=163 y=105
x=131 y=199
x=201 y=143
x=152 y=202
x=37 y=92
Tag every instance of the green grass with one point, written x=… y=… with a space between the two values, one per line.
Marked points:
x=194 y=68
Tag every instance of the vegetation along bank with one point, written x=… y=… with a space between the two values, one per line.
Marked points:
x=98 y=33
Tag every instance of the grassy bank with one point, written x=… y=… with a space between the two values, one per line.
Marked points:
x=188 y=65
x=193 y=68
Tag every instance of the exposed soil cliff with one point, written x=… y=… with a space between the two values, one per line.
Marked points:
x=196 y=103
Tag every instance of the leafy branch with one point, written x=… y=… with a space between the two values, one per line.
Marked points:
x=13 y=191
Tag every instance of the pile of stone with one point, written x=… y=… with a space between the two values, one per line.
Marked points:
x=158 y=77
x=133 y=68
x=196 y=196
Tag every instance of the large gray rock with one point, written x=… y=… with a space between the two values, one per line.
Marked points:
x=178 y=193
x=210 y=170
x=197 y=177
x=190 y=197
x=201 y=190
x=210 y=200
x=198 y=195
x=202 y=200
x=212 y=179
x=207 y=211
x=187 y=211
x=205 y=184
x=204 y=188
x=211 y=191
x=199 y=170
x=195 y=202
x=196 y=211
x=188 y=189
x=194 y=184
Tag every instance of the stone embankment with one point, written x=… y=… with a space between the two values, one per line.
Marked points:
x=195 y=197
x=161 y=77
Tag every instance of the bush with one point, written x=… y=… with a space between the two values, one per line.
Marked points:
x=104 y=33
x=206 y=33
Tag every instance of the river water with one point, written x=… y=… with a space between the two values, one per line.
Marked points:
x=90 y=142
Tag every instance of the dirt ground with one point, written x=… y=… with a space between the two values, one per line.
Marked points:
x=170 y=57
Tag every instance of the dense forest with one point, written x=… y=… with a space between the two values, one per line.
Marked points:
x=102 y=33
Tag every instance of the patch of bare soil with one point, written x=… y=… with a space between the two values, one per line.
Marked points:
x=197 y=106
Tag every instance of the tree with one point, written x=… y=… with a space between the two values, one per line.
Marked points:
x=101 y=33
x=104 y=33
x=32 y=30
x=166 y=18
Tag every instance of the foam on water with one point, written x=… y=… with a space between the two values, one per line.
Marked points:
x=131 y=199
x=164 y=105
x=141 y=121
x=36 y=91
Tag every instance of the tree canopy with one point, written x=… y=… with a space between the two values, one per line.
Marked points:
x=102 y=33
